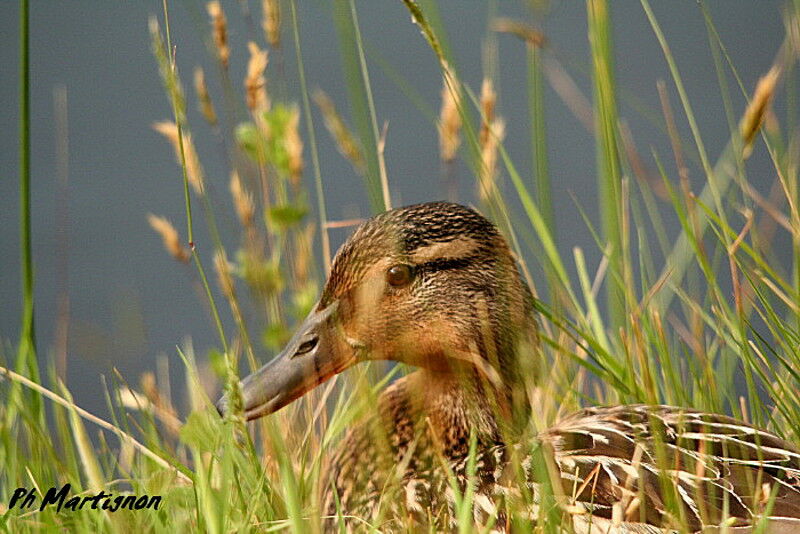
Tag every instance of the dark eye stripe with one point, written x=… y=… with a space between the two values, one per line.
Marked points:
x=445 y=264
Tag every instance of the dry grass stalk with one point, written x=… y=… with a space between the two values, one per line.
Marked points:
x=294 y=147
x=487 y=178
x=194 y=171
x=303 y=254
x=335 y=125
x=203 y=98
x=133 y=400
x=488 y=101
x=125 y=438
x=163 y=407
x=346 y=223
x=168 y=70
x=271 y=21
x=242 y=201
x=169 y=235
x=255 y=83
x=449 y=116
x=219 y=31
x=754 y=114
x=521 y=30
x=224 y=278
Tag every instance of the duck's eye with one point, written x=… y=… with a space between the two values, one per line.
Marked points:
x=399 y=275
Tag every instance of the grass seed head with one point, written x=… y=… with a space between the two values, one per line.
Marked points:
x=754 y=114
x=203 y=98
x=488 y=101
x=167 y=70
x=224 y=278
x=449 y=116
x=304 y=254
x=219 y=31
x=169 y=235
x=271 y=21
x=242 y=201
x=487 y=178
x=194 y=171
x=255 y=83
x=521 y=30
x=345 y=141
x=294 y=147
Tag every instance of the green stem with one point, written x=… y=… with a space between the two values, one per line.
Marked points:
x=26 y=352
x=387 y=203
x=608 y=164
x=212 y=302
x=179 y=123
x=539 y=135
x=28 y=336
x=186 y=194
x=312 y=137
x=360 y=99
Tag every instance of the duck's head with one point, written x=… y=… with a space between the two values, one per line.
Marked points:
x=431 y=285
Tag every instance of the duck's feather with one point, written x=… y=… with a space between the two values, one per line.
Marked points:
x=630 y=462
x=623 y=469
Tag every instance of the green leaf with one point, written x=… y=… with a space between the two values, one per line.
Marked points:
x=262 y=276
x=275 y=336
x=250 y=140
x=304 y=299
x=286 y=215
x=201 y=430
x=217 y=361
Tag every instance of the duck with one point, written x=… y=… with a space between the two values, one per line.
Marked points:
x=436 y=287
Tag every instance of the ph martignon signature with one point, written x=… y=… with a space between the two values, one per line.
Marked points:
x=59 y=497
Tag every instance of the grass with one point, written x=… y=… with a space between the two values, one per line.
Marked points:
x=682 y=317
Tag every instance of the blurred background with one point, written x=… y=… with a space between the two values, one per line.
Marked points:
x=130 y=303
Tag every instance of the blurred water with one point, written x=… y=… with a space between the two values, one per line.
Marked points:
x=129 y=299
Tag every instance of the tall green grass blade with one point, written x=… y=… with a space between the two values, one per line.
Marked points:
x=536 y=109
x=27 y=362
x=89 y=461
x=360 y=95
x=607 y=149
x=312 y=136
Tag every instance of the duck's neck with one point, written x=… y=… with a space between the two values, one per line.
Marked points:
x=491 y=397
x=451 y=409
x=458 y=404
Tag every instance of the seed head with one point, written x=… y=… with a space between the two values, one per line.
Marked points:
x=242 y=201
x=294 y=147
x=487 y=178
x=224 y=278
x=169 y=235
x=345 y=141
x=753 y=116
x=219 y=31
x=194 y=171
x=488 y=101
x=272 y=22
x=203 y=98
x=449 y=117
x=255 y=83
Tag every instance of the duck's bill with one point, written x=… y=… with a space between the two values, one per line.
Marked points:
x=312 y=356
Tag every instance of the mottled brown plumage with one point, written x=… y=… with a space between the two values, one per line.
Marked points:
x=435 y=286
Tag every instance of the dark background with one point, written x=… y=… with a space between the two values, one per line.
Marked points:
x=131 y=302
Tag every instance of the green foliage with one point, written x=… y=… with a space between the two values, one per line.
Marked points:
x=263 y=277
x=286 y=216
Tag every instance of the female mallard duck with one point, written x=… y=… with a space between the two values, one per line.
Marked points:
x=435 y=286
